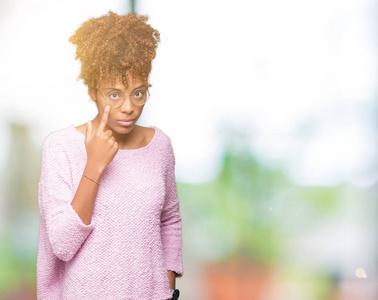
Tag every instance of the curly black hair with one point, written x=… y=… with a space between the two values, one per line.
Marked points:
x=113 y=45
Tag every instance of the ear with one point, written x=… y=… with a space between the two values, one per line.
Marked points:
x=93 y=94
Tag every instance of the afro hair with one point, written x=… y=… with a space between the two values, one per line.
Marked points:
x=113 y=45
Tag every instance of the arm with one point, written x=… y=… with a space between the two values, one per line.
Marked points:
x=83 y=202
x=65 y=229
x=67 y=213
x=171 y=222
x=172 y=279
x=101 y=148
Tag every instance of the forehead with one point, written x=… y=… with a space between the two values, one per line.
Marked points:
x=116 y=83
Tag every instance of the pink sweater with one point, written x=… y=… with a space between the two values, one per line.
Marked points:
x=135 y=234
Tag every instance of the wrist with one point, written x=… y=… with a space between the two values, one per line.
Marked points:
x=93 y=172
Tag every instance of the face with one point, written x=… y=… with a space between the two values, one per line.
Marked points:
x=121 y=119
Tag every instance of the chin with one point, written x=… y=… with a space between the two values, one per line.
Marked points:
x=124 y=129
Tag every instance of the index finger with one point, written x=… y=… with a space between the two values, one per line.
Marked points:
x=104 y=119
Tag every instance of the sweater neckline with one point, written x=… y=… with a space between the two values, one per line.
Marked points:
x=72 y=127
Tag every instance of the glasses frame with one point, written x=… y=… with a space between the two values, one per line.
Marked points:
x=125 y=96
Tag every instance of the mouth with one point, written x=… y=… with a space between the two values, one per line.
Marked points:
x=126 y=122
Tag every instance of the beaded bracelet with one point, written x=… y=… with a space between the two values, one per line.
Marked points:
x=91 y=179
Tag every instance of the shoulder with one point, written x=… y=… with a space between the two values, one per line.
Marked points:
x=82 y=128
x=162 y=138
x=147 y=134
x=61 y=138
x=154 y=135
x=165 y=146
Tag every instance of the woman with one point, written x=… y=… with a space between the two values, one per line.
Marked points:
x=110 y=225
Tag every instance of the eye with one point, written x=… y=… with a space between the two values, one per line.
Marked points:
x=140 y=93
x=114 y=96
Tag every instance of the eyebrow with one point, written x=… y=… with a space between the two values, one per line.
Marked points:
x=118 y=90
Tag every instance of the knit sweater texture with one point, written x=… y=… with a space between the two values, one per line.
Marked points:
x=134 y=236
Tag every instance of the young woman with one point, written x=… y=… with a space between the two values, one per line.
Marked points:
x=110 y=224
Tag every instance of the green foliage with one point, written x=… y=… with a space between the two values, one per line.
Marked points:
x=8 y=273
x=13 y=272
x=246 y=210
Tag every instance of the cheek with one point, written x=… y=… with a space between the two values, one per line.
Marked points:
x=111 y=118
x=139 y=109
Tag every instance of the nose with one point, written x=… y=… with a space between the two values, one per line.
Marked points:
x=127 y=106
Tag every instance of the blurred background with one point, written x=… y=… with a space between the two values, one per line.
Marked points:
x=271 y=107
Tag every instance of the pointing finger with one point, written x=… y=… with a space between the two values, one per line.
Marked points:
x=104 y=119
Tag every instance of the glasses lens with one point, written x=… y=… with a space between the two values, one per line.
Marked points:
x=140 y=96
x=115 y=99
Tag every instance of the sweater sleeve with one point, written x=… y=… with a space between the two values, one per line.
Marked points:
x=65 y=230
x=171 y=220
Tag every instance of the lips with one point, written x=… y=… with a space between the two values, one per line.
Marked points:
x=130 y=120
x=126 y=122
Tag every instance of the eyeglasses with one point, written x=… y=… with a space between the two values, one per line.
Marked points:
x=138 y=97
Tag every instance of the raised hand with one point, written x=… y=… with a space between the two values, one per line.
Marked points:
x=101 y=146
